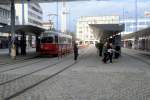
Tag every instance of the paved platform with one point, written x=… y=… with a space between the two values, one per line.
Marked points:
x=138 y=54
x=6 y=59
x=90 y=79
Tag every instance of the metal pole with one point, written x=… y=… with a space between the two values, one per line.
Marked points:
x=123 y=19
x=136 y=16
x=13 y=48
x=22 y=12
x=136 y=26
x=57 y=16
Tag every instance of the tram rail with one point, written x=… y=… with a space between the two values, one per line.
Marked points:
x=18 y=92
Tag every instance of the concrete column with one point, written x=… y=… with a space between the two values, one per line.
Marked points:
x=17 y=45
x=148 y=42
x=30 y=41
x=23 y=44
x=37 y=43
x=13 y=48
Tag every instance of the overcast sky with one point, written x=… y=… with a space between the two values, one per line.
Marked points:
x=96 y=8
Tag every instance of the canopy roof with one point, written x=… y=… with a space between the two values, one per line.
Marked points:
x=140 y=33
x=23 y=28
x=106 y=30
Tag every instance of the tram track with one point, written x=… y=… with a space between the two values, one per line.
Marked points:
x=42 y=80
x=27 y=74
x=26 y=65
x=18 y=61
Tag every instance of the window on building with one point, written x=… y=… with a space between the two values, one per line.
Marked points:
x=141 y=23
x=34 y=22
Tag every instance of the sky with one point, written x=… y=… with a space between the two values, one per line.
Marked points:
x=95 y=8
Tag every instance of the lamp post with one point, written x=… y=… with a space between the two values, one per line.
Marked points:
x=136 y=16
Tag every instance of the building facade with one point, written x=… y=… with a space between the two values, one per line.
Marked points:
x=84 y=32
x=31 y=15
x=4 y=20
x=139 y=39
x=130 y=24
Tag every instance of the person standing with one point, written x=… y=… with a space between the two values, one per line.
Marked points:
x=110 y=52
x=105 y=50
x=75 y=51
x=100 y=48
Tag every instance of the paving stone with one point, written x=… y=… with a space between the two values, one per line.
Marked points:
x=92 y=80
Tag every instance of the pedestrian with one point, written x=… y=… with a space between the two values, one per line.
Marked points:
x=105 y=52
x=75 y=51
x=101 y=48
x=117 y=52
x=110 y=52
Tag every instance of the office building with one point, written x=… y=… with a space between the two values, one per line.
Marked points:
x=84 y=32
x=30 y=15
x=130 y=24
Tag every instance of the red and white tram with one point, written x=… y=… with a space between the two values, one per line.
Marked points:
x=55 y=43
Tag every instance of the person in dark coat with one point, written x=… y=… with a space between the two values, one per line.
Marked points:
x=110 y=52
x=100 y=47
x=117 y=52
x=75 y=51
x=105 y=50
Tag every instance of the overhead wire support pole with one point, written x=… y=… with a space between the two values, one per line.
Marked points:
x=22 y=12
x=136 y=16
x=57 y=15
x=13 y=48
x=123 y=19
x=136 y=24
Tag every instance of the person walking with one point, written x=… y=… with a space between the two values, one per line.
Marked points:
x=75 y=51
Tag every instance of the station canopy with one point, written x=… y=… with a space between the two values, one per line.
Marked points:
x=40 y=1
x=27 y=29
x=103 y=31
x=141 y=33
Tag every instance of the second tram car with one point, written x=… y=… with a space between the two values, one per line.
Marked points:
x=55 y=43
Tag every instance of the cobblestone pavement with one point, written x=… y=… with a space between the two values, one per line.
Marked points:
x=10 y=88
x=6 y=59
x=90 y=79
x=138 y=54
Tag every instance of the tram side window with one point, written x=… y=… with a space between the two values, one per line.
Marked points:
x=47 y=40
x=62 y=40
x=69 y=41
x=56 y=39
